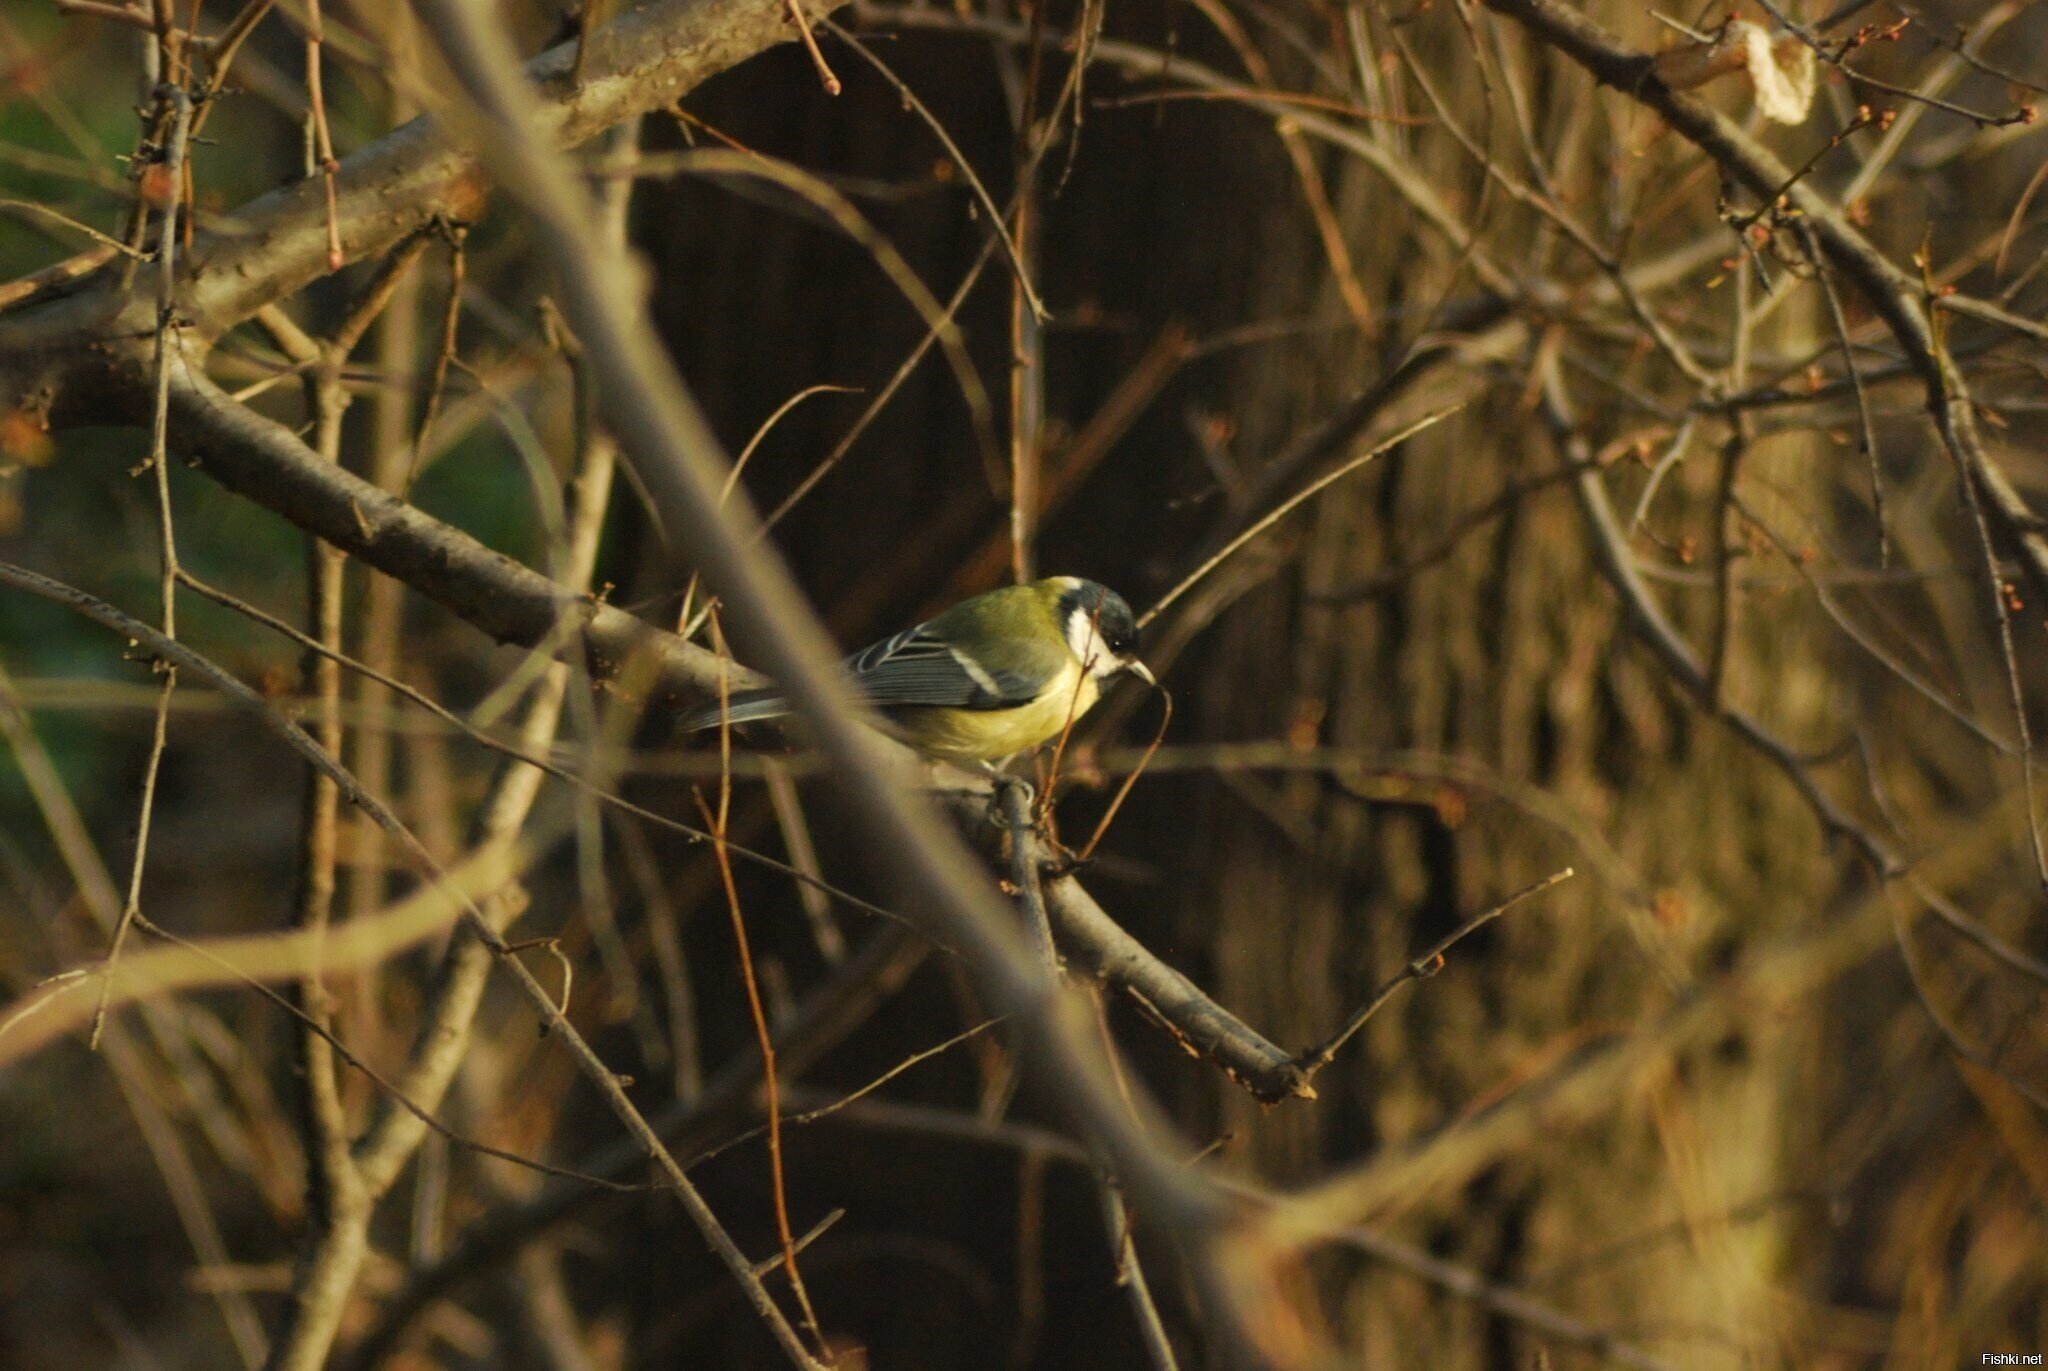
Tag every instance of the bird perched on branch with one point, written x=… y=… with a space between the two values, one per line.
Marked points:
x=993 y=676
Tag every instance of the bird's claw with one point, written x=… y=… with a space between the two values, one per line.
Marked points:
x=1067 y=864
x=1001 y=782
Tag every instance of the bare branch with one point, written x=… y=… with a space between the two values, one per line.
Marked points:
x=265 y=462
x=606 y=1081
x=385 y=193
x=1892 y=293
x=660 y=425
x=1421 y=968
x=1107 y=952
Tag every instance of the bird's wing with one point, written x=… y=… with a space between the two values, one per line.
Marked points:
x=917 y=667
x=744 y=707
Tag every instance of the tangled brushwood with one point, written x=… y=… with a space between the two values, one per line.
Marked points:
x=1579 y=896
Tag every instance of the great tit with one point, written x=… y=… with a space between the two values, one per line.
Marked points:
x=993 y=676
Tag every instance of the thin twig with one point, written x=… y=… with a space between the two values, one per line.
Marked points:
x=1315 y=192
x=31 y=208
x=849 y=220
x=378 y=293
x=131 y=909
x=131 y=15
x=1925 y=689
x=527 y=756
x=390 y=1090
x=338 y=1203
x=715 y=821
x=323 y=140
x=1421 y=968
x=1289 y=505
x=451 y=322
x=1118 y=1225
x=1123 y=791
x=607 y=1082
x=802 y=21
x=841 y=1003
x=899 y=1118
x=998 y=218
x=1720 y=648
x=1264 y=97
x=933 y=333
x=803 y=855
x=688 y=620
x=768 y=1266
x=817 y=1112
x=159 y=461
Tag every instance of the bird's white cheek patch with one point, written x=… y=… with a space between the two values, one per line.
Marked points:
x=1085 y=642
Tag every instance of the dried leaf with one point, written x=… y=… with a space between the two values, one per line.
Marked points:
x=1781 y=70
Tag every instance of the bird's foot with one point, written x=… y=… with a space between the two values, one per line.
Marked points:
x=1065 y=860
x=1003 y=786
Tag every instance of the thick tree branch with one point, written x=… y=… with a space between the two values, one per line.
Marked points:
x=275 y=245
x=1101 y=948
x=264 y=461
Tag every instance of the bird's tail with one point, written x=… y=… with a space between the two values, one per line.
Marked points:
x=744 y=706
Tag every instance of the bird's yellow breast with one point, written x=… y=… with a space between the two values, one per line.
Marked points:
x=988 y=735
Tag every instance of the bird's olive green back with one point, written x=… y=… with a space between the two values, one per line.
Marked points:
x=1016 y=631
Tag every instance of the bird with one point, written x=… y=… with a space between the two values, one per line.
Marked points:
x=994 y=676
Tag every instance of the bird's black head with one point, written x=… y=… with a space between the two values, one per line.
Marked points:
x=1088 y=603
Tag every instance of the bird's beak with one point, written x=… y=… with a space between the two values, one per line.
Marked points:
x=1141 y=671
